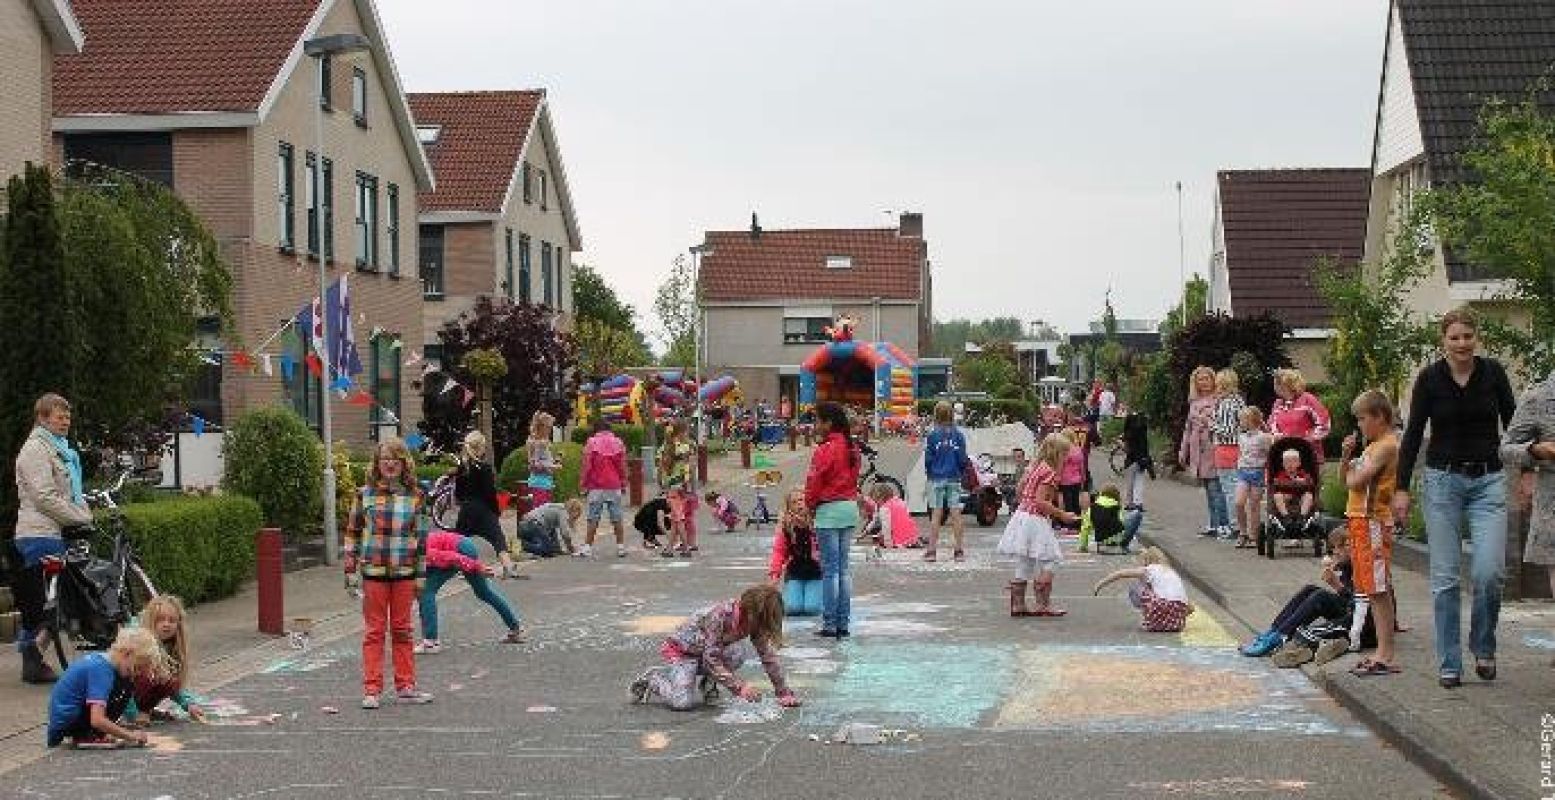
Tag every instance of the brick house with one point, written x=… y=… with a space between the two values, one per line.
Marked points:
x=501 y=220
x=223 y=106
x=768 y=295
x=31 y=32
x=1272 y=228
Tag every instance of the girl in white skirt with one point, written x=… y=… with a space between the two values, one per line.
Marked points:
x=1029 y=536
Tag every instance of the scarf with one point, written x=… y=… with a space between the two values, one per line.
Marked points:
x=72 y=461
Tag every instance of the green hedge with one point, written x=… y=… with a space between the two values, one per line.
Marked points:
x=199 y=548
x=633 y=435
x=1333 y=496
x=515 y=469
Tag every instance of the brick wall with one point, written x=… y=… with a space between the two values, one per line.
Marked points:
x=26 y=61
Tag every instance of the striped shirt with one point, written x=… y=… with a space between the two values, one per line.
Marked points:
x=1228 y=423
x=387 y=531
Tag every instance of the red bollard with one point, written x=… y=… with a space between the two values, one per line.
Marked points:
x=793 y=438
x=701 y=463
x=269 y=568
x=634 y=481
x=523 y=502
x=745 y=454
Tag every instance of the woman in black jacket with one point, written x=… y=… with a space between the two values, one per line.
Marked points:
x=475 y=488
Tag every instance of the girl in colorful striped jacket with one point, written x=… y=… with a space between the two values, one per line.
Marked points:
x=386 y=538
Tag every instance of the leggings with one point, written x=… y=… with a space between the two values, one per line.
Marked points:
x=1070 y=494
x=684 y=683
x=1308 y=604
x=478 y=582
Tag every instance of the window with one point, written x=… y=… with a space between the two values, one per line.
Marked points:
x=285 y=199
x=394 y=230
x=205 y=383
x=431 y=257
x=542 y=190
x=329 y=210
x=149 y=155
x=366 y=221
x=429 y=134
x=839 y=262
x=507 y=276
x=326 y=83
x=545 y=273
x=561 y=285
x=805 y=330
x=433 y=355
x=385 y=383
x=528 y=180
x=359 y=96
x=524 y=264
x=311 y=193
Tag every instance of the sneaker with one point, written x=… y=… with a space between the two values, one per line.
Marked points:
x=428 y=647
x=641 y=690
x=1266 y=643
x=412 y=697
x=1209 y=530
x=516 y=636
x=1228 y=534
x=1292 y=655
x=1330 y=649
x=686 y=553
x=585 y=551
x=370 y=701
x=620 y=551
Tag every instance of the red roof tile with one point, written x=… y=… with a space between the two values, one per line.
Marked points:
x=791 y=264
x=1278 y=224
x=162 y=56
x=478 y=148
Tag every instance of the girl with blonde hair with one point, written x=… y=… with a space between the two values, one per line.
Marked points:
x=543 y=465
x=1029 y=535
x=1196 y=451
x=475 y=487
x=164 y=617
x=1158 y=592
x=1227 y=428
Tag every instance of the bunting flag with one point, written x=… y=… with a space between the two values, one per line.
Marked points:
x=427 y=369
x=361 y=398
x=288 y=366
x=315 y=366
x=397 y=343
x=415 y=358
x=198 y=425
x=389 y=417
x=340 y=350
x=242 y=360
x=211 y=359
x=266 y=365
x=449 y=386
x=377 y=329
x=468 y=396
x=341 y=384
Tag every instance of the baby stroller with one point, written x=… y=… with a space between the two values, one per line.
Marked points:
x=1293 y=525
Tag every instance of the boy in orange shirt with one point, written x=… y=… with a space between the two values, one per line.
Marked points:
x=1371 y=480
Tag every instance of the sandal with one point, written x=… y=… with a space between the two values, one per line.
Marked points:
x=1485 y=668
x=1371 y=667
x=958 y=555
x=1049 y=612
x=930 y=555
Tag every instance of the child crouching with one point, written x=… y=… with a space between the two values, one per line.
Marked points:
x=87 y=702
x=1158 y=593
x=164 y=617
x=707 y=650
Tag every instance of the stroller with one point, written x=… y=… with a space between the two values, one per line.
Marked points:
x=1293 y=525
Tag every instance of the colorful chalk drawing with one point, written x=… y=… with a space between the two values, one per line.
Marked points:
x=917 y=685
x=739 y=712
x=1203 y=631
x=1539 y=641
x=653 y=625
x=309 y=662
x=1222 y=787
x=225 y=712
x=654 y=740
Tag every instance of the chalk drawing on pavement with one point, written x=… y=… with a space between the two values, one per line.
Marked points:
x=1223 y=787
x=915 y=685
x=653 y=625
x=309 y=662
x=739 y=712
x=1203 y=631
x=1539 y=641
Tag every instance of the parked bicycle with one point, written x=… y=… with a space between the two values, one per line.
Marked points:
x=871 y=474
x=88 y=598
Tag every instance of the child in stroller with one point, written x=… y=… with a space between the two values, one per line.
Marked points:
x=1293 y=491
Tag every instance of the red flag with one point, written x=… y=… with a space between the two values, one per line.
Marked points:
x=242 y=360
x=360 y=398
x=315 y=364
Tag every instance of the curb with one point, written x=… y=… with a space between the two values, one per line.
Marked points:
x=1438 y=764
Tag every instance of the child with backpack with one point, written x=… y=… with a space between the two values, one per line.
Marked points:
x=796 y=558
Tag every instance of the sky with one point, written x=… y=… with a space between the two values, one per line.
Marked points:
x=1041 y=139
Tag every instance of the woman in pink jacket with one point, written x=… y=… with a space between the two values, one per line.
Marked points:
x=1196 y=452
x=450 y=554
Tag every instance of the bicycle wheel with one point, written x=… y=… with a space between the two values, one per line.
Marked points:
x=58 y=625
x=137 y=590
x=1116 y=460
x=445 y=512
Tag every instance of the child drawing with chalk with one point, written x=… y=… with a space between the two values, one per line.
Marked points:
x=1157 y=592
x=707 y=651
x=1029 y=535
x=88 y=701
x=164 y=617
x=796 y=558
x=450 y=555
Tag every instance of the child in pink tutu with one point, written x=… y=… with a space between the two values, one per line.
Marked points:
x=1029 y=535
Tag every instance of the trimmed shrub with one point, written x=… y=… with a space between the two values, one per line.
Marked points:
x=1332 y=500
x=1217 y=341
x=515 y=470
x=273 y=457
x=199 y=548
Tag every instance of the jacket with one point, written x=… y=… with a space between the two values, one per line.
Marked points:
x=781 y=557
x=604 y=463
x=1533 y=422
x=833 y=472
x=708 y=634
x=944 y=454
x=1196 y=452
x=43 y=487
x=387 y=531
x=443 y=553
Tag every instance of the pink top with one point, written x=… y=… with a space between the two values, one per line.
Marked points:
x=779 y=564
x=904 y=531
x=1037 y=475
x=1304 y=416
x=1074 y=467
x=443 y=553
x=604 y=463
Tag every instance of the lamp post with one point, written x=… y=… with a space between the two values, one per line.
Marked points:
x=698 y=252
x=318 y=49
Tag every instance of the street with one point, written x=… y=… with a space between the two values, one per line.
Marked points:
x=1086 y=706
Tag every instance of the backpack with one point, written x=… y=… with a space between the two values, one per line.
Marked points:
x=802 y=565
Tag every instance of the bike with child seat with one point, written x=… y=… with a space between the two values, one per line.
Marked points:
x=871 y=475
x=88 y=598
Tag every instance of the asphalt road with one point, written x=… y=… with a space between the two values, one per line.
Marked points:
x=1082 y=707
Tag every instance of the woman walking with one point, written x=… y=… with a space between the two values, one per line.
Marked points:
x=831 y=493
x=475 y=487
x=1465 y=399
x=1228 y=426
x=1196 y=451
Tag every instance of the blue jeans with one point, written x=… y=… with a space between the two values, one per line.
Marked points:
x=1215 y=497
x=1227 y=478
x=478 y=582
x=1450 y=501
x=1132 y=520
x=836 y=585
x=801 y=598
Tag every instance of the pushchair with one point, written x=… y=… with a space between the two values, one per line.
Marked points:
x=1292 y=525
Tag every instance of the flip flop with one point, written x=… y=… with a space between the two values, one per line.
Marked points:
x=1370 y=668
x=931 y=555
x=1050 y=612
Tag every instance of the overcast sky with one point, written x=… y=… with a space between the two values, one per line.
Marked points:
x=1041 y=139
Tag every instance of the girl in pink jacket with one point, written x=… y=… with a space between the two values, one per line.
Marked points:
x=450 y=554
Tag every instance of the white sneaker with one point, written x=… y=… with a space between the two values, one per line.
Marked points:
x=428 y=647
x=584 y=552
x=620 y=551
x=370 y=701
x=412 y=697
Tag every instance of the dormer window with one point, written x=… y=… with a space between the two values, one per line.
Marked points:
x=429 y=134
x=839 y=262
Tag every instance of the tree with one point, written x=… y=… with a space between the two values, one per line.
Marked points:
x=994 y=370
x=541 y=363
x=675 y=303
x=1217 y=341
x=1503 y=219
x=597 y=301
x=605 y=351
x=1196 y=291
x=952 y=336
x=486 y=367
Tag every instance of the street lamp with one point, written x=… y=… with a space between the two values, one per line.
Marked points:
x=318 y=49
x=698 y=252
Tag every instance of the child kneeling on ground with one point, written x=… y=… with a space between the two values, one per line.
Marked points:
x=796 y=564
x=1103 y=519
x=723 y=509
x=1158 y=593
x=164 y=617
x=707 y=650
x=88 y=700
x=547 y=530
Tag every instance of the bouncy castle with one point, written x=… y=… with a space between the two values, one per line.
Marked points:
x=873 y=375
x=620 y=397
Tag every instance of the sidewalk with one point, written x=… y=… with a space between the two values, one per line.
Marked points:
x=1483 y=739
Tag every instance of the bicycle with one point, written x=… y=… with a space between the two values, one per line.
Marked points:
x=120 y=583
x=1117 y=457
x=871 y=475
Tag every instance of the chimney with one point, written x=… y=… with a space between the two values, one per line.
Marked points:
x=755 y=227
x=912 y=225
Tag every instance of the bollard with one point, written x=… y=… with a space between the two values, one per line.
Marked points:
x=523 y=502
x=269 y=568
x=745 y=454
x=702 y=463
x=807 y=441
x=634 y=481
x=793 y=439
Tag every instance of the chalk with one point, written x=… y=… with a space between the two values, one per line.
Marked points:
x=329 y=709
x=454 y=687
x=541 y=709
x=655 y=740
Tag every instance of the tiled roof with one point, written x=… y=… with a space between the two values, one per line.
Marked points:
x=1278 y=224
x=478 y=148
x=164 y=56
x=791 y=265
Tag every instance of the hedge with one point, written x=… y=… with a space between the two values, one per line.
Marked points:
x=515 y=469
x=1332 y=498
x=199 y=548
